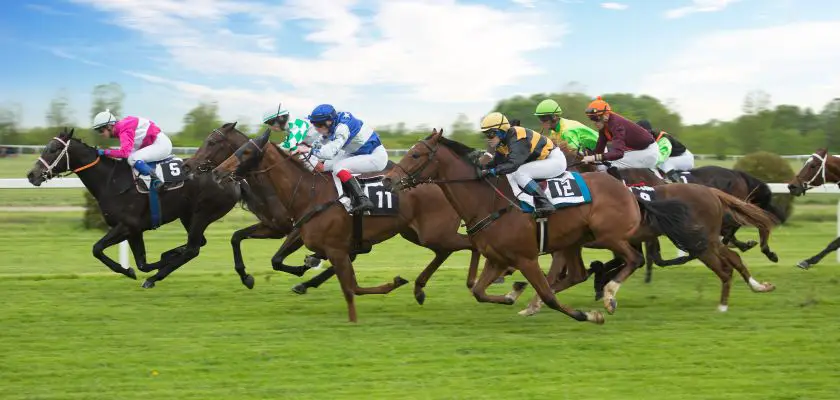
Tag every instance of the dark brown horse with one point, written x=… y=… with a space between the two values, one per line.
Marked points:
x=708 y=207
x=420 y=221
x=507 y=236
x=820 y=169
x=424 y=217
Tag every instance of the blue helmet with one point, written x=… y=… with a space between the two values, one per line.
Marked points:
x=323 y=113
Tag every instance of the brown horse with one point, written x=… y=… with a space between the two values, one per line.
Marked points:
x=821 y=168
x=506 y=236
x=326 y=228
x=708 y=207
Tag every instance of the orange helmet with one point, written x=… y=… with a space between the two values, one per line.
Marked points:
x=598 y=107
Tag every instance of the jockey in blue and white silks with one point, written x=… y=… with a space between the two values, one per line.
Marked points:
x=348 y=146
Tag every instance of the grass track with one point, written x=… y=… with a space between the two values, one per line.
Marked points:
x=72 y=330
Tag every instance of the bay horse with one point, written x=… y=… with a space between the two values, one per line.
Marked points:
x=708 y=207
x=326 y=228
x=820 y=169
x=425 y=219
x=507 y=236
x=198 y=203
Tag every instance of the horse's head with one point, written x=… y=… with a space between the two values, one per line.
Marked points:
x=430 y=158
x=219 y=145
x=56 y=158
x=244 y=159
x=813 y=173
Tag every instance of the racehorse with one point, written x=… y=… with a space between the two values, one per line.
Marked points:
x=327 y=229
x=506 y=236
x=425 y=219
x=821 y=168
x=708 y=207
x=126 y=210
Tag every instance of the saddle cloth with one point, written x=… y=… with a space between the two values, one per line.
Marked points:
x=566 y=190
x=170 y=170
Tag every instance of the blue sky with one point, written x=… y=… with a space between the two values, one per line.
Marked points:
x=417 y=61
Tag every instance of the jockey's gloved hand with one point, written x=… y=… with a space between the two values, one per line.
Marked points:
x=487 y=172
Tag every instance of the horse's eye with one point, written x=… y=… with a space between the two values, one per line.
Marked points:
x=415 y=155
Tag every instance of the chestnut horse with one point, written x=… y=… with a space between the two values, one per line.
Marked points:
x=507 y=236
x=708 y=207
x=820 y=169
x=436 y=231
x=326 y=227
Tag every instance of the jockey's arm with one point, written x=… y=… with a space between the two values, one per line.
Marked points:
x=617 y=150
x=125 y=131
x=519 y=152
x=664 y=149
x=330 y=149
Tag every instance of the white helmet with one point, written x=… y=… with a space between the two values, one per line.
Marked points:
x=276 y=112
x=103 y=118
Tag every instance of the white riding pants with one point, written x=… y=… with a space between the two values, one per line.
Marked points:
x=553 y=165
x=158 y=150
x=638 y=158
x=359 y=164
x=683 y=162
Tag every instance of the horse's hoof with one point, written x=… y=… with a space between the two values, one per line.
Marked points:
x=299 y=288
x=248 y=281
x=768 y=287
x=750 y=244
x=147 y=284
x=499 y=280
x=595 y=317
x=519 y=286
x=312 y=262
x=527 y=312
x=399 y=281
x=130 y=273
x=803 y=264
x=772 y=256
x=613 y=304
x=420 y=297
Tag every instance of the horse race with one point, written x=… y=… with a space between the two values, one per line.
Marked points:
x=402 y=199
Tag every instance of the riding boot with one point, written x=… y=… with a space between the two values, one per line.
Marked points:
x=674 y=176
x=145 y=169
x=542 y=205
x=360 y=201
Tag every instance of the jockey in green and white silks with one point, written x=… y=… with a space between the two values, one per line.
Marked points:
x=298 y=133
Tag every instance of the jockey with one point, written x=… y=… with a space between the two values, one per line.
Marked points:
x=299 y=132
x=141 y=142
x=579 y=136
x=677 y=157
x=524 y=154
x=632 y=146
x=352 y=146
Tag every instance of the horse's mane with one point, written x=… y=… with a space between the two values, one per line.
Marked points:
x=460 y=149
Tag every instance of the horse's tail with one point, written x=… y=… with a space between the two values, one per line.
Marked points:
x=762 y=196
x=745 y=213
x=672 y=218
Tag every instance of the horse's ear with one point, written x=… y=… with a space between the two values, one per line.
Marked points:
x=70 y=135
x=234 y=124
x=437 y=134
x=263 y=139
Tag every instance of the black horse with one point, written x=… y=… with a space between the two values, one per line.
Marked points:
x=197 y=202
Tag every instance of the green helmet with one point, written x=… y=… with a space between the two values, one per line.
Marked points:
x=548 y=107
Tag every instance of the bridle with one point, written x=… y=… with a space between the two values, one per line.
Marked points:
x=208 y=165
x=410 y=179
x=63 y=154
x=820 y=172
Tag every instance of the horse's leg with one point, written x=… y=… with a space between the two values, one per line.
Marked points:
x=116 y=234
x=256 y=231
x=650 y=248
x=420 y=281
x=632 y=260
x=808 y=263
x=489 y=273
x=347 y=278
x=530 y=268
x=764 y=236
x=195 y=238
x=734 y=261
x=473 y=270
x=316 y=281
x=292 y=243
x=728 y=233
x=713 y=259
x=559 y=266
x=138 y=249
x=655 y=255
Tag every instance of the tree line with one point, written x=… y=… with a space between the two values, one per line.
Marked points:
x=780 y=129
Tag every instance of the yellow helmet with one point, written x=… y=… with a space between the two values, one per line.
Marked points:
x=495 y=120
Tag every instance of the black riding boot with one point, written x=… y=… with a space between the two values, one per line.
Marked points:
x=674 y=176
x=542 y=205
x=360 y=201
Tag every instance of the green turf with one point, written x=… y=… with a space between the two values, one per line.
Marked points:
x=73 y=330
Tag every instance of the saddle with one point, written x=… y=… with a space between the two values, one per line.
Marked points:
x=170 y=170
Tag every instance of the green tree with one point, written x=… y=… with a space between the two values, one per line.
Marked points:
x=199 y=122
x=59 y=112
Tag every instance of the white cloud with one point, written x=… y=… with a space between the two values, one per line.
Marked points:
x=698 y=6
x=614 y=6
x=709 y=77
